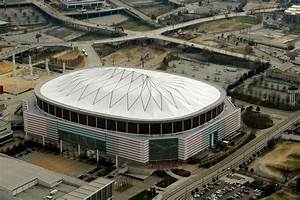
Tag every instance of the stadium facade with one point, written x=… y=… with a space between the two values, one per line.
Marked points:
x=136 y=114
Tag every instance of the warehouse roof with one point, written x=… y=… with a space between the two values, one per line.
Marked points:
x=16 y=173
x=85 y=191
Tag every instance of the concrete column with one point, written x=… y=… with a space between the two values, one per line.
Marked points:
x=212 y=137
x=14 y=73
x=14 y=65
x=47 y=66
x=26 y=135
x=78 y=148
x=97 y=155
x=64 y=68
x=30 y=66
x=117 y=162
x=61 y=146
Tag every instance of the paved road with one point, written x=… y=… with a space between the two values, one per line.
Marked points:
x=182 y=189
x=92 y=59
x=207 y=19
x=205 y=47
x=155 y=34
x=71 y=21
x=78 y=12
x=138 y=13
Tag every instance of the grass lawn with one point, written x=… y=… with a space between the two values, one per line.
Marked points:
x=136 y=26
x=227 y=25
x=282 y=196
x=294 y=156
x=295 y=28
x=247 y=20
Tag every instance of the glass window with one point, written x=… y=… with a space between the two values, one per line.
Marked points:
x=58 y=112
x=202 y=119
x=187 y=124
x=111 y=125
x=208 y=116
x=121 y=126
x=101 y=123
x=74 y=117
x=195 y=121
x=82 y=119
x=132 y=127
x=155 y=128
x=45 y=107
x=66 y=114
x=144 y=129
x=39 y=103
x=92 y=121
x=167 y=128
x=177 y=126
x=214 y=113
x=51 y=109
x=163 y=149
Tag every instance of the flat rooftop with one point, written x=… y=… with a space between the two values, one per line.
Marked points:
x=17 y=174
x=85 y=191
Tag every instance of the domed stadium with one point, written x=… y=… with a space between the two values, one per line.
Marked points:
x=137 y=114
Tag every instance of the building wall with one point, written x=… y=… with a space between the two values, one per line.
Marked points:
x=133 y=147
x=6 y=134
x=82 y=3
x=200 y=140
x=47 y=127
x=283 y=75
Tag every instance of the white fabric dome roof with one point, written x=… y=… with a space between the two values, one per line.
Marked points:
x=129 y=93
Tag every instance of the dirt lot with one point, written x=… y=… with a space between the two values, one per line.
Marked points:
x=57 y=163
x=257 y=4
x=284 y=155
x=71 y=55
x=5 y=67
x=131 y=56
x=209 y=41
x=19 y=84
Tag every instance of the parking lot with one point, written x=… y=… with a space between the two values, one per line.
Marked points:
x=226 y=189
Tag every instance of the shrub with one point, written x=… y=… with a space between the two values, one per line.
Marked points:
x=181 y=172
x=256 y=120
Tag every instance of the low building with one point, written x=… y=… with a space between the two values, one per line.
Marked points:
x=6 y=134
x=292 y=14
x=80 y=3
x=287 y=72
x=22 y=180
